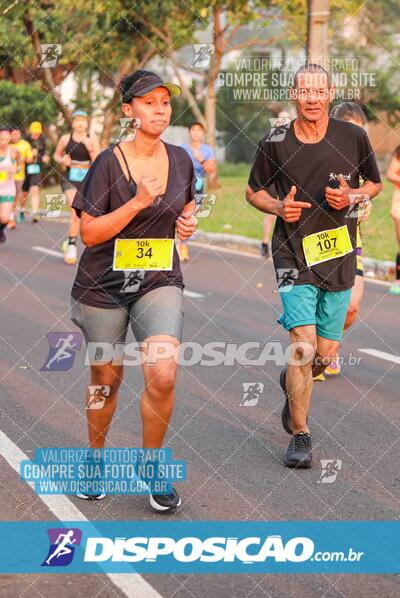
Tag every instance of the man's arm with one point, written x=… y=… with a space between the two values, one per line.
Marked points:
x=345 y=195
x=263 y=201
x=289 y=209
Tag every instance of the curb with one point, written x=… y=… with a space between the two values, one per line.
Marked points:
x=373 y=268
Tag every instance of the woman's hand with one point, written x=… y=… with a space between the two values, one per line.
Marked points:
x=186 y=225
x=66 y=160
x=148 y=189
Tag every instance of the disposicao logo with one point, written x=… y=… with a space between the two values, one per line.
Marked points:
x=191 y=549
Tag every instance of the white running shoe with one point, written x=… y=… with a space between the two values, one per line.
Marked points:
x=70 y=254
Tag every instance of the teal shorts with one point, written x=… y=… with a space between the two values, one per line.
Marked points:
x=305 y=305
x=6 y=199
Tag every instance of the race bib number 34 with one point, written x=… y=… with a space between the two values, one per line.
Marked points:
x=143 y=254
x=327 y=245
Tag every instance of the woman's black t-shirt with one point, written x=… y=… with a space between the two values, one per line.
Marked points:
x=107 y=189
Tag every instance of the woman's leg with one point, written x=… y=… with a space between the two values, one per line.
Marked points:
x=158 y=398
x=74 y=220
x=102 y=326
x=5 y=213
x=99 y=420
x=157 y=320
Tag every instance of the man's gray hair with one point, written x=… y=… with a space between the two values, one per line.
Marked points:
x=310 y=67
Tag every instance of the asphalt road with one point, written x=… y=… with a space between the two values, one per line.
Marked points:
x=234 y=453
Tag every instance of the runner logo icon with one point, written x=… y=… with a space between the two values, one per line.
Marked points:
x=330 y=470
x=251 y=393
x=62 y=546
x=62 y=351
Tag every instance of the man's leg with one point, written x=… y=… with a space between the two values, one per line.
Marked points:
x=299 y=377
x=35 y=201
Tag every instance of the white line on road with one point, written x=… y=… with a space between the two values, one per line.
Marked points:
x=258 y=257
x=131 y=585
x=191 y=294
x=48 y=251
x=381 y=355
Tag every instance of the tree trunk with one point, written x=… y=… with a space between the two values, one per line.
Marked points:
x=110 y=118
x=317 y=34
x=210 y=103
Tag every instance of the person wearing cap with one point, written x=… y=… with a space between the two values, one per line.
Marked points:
x=76 y=151
x=33 y=169
x=24 y=150
x=9 y=162
x=138 y=195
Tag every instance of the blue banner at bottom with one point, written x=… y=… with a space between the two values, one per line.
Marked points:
x=200 y=547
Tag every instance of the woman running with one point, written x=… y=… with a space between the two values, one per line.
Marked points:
x=393 y=175
x=9 y=163
x=137 y=194
x=75 y=150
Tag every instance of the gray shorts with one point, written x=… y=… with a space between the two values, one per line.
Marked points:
x=159 y=311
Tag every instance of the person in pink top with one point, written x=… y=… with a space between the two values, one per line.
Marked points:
x=9 y=162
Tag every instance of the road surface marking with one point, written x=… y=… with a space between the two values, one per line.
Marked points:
x=258 y=257
x=131 y=585
x=382 y=355
x=191 y=294
x=48 y=251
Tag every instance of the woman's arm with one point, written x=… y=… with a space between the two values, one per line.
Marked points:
x=60 y=149
x=98 y=229
x=186 y=223
x=392 y=171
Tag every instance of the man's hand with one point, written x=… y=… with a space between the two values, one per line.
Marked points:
x=148 y=189
x=45 y=159
x=186 y=225
x=290 y=209
x=339 y=198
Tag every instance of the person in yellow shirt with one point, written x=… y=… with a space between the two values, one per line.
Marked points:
x=24 y=149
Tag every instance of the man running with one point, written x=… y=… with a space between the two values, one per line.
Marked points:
x=315 y=168
x=76 y=151
x=204 y=164
x=33 y=170
x=9 y=162
x=24 y=150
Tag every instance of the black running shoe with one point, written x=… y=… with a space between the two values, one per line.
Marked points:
x=285 y=415
x=91 y=496
x=3 y=236
x=299 y=452
x=94 y=472
x=165 y=502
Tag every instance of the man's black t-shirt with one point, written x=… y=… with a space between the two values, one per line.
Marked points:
x=106 y=189
x=311 y=167
x=38 y=144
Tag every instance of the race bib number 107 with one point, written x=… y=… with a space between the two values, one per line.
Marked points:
x=327 y=245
